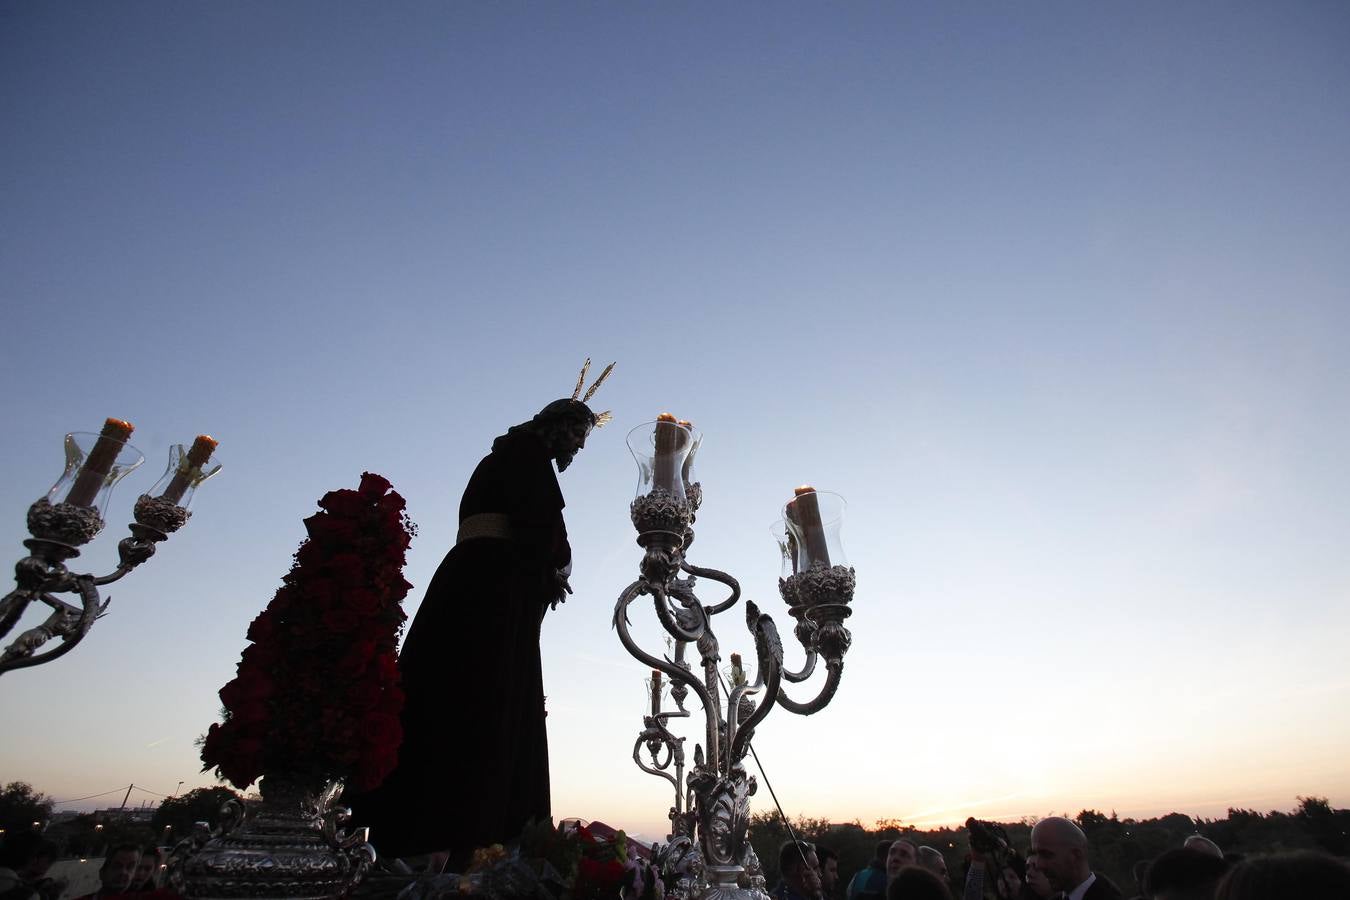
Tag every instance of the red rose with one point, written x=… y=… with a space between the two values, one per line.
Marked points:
x=383 y=723
x=364 y=695
x=387 y=665
x=340 y=621
x=249 y=716
x=373 y=485
x=358 y=655
x=343 y=503
x=262 y=628
x=328 y=529
x=345 y=569
x=249 y=686
x=363 y=601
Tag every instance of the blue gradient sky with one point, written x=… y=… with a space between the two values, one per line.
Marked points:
x=1055 y=294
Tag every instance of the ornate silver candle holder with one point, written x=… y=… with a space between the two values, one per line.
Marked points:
x=707 y=851
x=59 y=529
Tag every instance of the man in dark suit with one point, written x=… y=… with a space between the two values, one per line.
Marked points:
x=1061 y=851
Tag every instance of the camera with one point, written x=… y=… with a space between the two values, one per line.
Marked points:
x=988 y=837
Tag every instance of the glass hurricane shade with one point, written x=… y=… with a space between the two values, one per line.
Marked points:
x=86 y=485
x=688 y=475
x=787 y=548
x=814 y=520
x=181 y=479
x=661 y=450
x=654 y=689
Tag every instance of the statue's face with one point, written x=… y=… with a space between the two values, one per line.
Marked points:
x=571 y=438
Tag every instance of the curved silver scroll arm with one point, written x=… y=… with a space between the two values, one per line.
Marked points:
x=807 y=670
x=657 y=737
x=834 y=670
x=66 y=622
x=769 y=653
x=721 y=578
x=687 y=624
x=678 y=674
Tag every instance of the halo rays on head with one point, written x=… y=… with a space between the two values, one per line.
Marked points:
x=603 y=418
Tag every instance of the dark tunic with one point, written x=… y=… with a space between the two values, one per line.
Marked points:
x=473 y=766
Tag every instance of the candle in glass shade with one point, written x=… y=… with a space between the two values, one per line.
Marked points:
x=688 y=460
x=804 y=511
x=656 y=691
x=100 y=461
x=201 y=451
x=670 y=438
x=737 y=675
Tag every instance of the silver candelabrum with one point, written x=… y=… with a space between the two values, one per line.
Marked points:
x=708 y=854
x=71 y=515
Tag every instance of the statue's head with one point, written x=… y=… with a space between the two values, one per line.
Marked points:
x=565 y=424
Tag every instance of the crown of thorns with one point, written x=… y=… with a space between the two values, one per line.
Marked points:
x=601 y=419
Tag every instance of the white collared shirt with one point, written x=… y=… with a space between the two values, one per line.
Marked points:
x=1078 y=892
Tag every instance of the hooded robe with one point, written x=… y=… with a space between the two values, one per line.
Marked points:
x=473 y=766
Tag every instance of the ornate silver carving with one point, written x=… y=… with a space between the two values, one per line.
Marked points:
x=694 y=493
x=160 y=514
x=820 y=584
x=292 y=846
x=64 y=523
x=681 y=860
x=660 y=510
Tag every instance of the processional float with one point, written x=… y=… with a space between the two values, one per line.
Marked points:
x=708 y=853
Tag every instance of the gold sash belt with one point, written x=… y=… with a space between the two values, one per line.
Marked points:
x=485 y=525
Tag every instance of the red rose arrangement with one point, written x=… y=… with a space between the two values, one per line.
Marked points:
x=601 y=867
x=317 y=693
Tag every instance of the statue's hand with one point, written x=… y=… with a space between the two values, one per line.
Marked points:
x=561 y=587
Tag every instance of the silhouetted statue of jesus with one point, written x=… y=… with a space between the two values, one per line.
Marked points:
x=473 y=766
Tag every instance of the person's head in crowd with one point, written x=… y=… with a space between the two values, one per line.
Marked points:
x=1037 y=883
x=902 y=853
x=883 y=851
x=1303 y=875
x=829 y=869
x=28 y=854
x=1140 y=871
x=1061 y=851
x=1184 y=874
x=1202 y=844
x=118 y=868
x=917 y=883
x=932 y=859
x=147 y=871
x=800 y=868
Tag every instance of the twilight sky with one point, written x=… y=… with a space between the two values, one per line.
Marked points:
x=1055 y=294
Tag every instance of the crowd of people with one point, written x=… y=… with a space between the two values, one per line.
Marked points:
x=26 y=858
x=1057 y=867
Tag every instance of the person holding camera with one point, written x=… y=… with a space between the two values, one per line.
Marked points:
x=993 y=858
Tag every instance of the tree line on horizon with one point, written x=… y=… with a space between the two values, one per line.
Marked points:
x=89 y=834
x=1115 y=844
